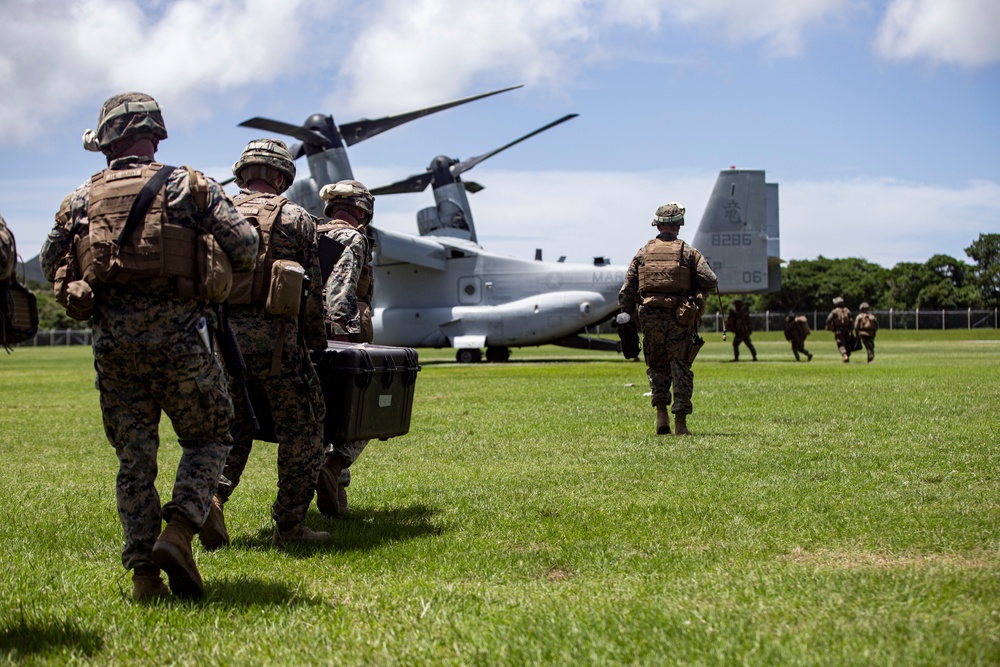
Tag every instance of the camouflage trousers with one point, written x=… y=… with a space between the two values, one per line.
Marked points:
x=799 y=347
x=745 y=339
x=665 y=346
x=186 y=382
x=869 y=342
x=841 y=336
x=295 y=398
x=348 y=453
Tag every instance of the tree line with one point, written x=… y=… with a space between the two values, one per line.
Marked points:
x=942 y=282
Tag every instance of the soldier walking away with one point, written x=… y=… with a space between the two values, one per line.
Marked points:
x=738 y=321
x=664 y=291
x=150 y=279
x=277 y=318
x=348 y=297
x=8 y=252
x=840 y=323
x=866 y=325
x=796 y=331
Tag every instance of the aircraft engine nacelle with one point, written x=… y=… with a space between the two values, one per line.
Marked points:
x=534 y=320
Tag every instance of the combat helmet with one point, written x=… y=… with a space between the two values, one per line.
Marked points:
x=864 y=307
x=133 y=116
x=669 y=214
x=838 y=301
x=261 y=159
x=348 y=192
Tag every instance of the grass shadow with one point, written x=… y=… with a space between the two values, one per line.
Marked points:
x=247 y=592
x=49 y=638
x=361 y=530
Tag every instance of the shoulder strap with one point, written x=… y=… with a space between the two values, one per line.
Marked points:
x=142 y=202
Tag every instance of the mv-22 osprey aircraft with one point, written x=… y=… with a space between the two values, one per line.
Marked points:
x=441 y=288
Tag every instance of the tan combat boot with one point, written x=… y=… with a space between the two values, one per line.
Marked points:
x=172 y=554
x=297 y=534
x=147 y=584
x=680 y=425
x=662 y=420
x=328 y=486
x=213 y=534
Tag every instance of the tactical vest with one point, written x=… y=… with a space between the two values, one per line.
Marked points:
x=867 y=323
x=156 y=248
x=262 y=210
x=366 y=284
x=662 y=271
x=841 y=318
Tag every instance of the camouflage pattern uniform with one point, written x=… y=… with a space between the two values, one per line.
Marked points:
x=866 y=326
x=738 y=321
x=8 y=252
x=665 y=341
x=348 y=313
x=840 y=323
x=152 y=355
x=291 y=388
x=347 y=295
x=796 y=330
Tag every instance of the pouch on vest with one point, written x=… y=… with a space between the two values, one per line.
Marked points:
x=18 y=313
x=659 y=301
x=215 y=272
x=285 y=295
x=687 y=312
x=79 y=300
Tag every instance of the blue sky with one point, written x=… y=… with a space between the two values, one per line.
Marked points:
x=879 y=120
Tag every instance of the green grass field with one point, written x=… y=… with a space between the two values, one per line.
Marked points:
x=823 y=514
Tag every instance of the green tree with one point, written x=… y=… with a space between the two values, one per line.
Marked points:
x=812 y=284
x=53 y=316
x=986 y=252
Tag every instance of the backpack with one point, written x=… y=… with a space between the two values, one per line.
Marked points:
x=18 y=313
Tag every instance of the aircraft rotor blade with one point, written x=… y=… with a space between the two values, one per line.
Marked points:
x=303 y=134
x=365 y=128
x=415 y=183
x=466 y=165
x=473 y=187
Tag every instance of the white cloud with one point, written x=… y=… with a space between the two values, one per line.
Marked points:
x=56 y=57
x=960 y=32
x=588 y=214
x=412 y=52
x=779 y=24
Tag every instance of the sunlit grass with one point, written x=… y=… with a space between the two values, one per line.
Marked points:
x=824 y=513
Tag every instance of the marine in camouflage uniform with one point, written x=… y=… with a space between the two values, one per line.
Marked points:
x=8 y=252
x=840 y=323
x=796 y=330
x=662 y=276
x=348 y=296
x=276 y=348
x=866 y=326
x=738 y=321
x=152 y=353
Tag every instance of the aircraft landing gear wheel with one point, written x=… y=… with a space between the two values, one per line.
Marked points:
x=469 y=356
x=497 y=353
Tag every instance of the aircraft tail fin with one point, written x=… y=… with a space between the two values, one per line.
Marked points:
x=739 y=234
